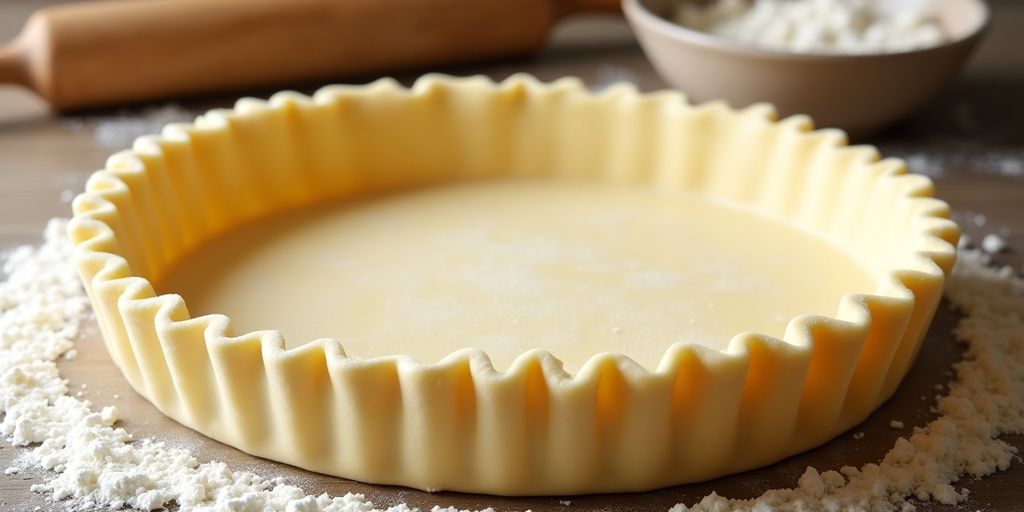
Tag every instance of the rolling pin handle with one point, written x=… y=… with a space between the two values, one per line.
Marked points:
x=12 y=66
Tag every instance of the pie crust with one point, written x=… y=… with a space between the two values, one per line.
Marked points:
x=532 y=427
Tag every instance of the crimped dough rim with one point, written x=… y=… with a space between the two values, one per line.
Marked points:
x=534 y=429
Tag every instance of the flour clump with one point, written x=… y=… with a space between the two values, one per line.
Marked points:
x=813 y=26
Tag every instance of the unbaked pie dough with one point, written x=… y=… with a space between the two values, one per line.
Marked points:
x=511 y=288
x=509 y=266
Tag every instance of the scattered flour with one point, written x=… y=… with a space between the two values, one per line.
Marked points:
x=993 y=243
x=1007 y=163
x=985 y=401
x=120 y=130
x=1011 y=167
x=93 y=463
x=977 y=219
x=813 y=26
x=896 y=424
x=608 y=75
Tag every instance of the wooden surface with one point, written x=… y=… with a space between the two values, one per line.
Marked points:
x=972 y=141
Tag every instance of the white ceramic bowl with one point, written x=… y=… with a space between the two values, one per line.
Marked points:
x=858 y=93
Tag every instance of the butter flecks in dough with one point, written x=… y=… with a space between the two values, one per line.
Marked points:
x=459 y=424
x=573 y=268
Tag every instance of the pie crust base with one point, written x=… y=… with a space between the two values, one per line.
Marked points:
x=572 y=267
x=612 y=425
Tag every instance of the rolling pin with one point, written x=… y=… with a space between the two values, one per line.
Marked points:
x=109 y=52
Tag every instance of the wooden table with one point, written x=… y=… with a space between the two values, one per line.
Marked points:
x=971 y=141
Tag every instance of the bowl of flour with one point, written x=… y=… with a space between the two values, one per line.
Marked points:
x=858 y=65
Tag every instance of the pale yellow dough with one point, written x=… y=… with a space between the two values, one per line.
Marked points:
x=644 y=333
x=508 y=266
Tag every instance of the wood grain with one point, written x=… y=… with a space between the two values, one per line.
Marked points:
x=100 y=53
x=975 y=121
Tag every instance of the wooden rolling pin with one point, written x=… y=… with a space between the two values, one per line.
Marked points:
x=122 y=51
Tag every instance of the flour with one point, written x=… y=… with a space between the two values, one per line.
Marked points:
x=993 y=243
x=977 y=219
x=92 y=463
x=608 y=75
x=813 y=26
x=1005 y=163
x=985 y=401
x=120 y=130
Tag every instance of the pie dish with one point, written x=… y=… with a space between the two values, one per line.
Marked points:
x=592 y=214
